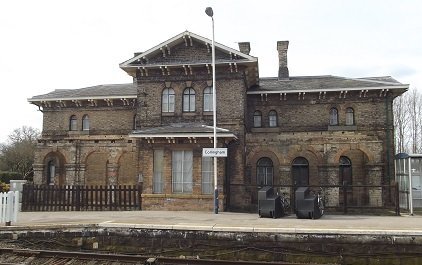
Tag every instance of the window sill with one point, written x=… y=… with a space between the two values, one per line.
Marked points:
x=265 y=130
x=342 y=128
x=167 y=114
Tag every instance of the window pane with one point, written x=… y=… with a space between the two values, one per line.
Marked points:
x=208 y=99
x=333 y=116
x=257 y=119
x=272 y=116
x=158 y=185
x=73 y=126
x=85 y=123
x=168 y=100
x=350 y=119
x=207 y=175
x=182 y=165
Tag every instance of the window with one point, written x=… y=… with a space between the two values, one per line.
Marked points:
x=85 y=123
x=350 y=116
x=136 y=122
x=189 y=100
x=207 y=175
x=264 y=172
x=157 y=184
x=208 y=99
x=272 y=118
x=51 y=172
x=73 y=123
x=182 y=171
x=345 y=170
x=333 y=116
x=257 y=119
x=300 y=172
x=168 y=100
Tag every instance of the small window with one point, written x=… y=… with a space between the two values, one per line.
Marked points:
x=73 y=123
x=189 y=100
x=272 y=118
x=168 y=98
x=158 y=166
x=257 y=119
x=208 y=99
x=333 y=116
x=85 y=123
x=350 y=116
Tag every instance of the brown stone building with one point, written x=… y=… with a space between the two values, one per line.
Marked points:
x=286 y=130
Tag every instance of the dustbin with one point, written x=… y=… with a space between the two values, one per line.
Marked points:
x=269 y=205
x=307 y=204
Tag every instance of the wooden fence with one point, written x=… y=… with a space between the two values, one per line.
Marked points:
x=81 y=198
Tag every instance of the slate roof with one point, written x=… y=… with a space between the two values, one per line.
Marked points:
x=181 y=130
x=327 y=82
x=101 y=91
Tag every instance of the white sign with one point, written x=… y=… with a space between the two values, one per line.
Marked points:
x=214 y=152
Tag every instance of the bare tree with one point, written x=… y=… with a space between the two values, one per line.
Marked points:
x=401 y=122
x=18 y=154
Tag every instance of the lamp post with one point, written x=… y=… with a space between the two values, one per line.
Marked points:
x=210 y=13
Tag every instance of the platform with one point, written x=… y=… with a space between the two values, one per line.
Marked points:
x=224 y=221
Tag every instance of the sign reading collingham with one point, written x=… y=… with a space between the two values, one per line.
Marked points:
x=214 y=152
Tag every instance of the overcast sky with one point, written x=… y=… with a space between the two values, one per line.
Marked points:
x=70 y=44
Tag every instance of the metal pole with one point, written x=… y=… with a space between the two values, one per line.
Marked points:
x=210 y=13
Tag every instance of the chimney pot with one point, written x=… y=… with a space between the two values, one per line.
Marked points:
x=283 y=70
x=245 y=47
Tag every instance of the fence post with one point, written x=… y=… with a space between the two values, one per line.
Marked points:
x=397 y=198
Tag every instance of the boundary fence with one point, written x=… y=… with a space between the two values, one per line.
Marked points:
x=81 y=198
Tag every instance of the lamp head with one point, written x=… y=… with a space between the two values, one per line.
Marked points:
x=209 y=11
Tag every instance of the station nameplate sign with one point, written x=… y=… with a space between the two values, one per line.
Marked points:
x=214 y=152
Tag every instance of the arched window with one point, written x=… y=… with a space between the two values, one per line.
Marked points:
x=73 y=123
x=257 y=119
x=264 y=172
x=272 y=118
x=345 y=170
x=208 y=99
x=300 y=172
x=168 y=100
x=85 y=123
x=350 y=116
x=333 y=116
x=189 y=100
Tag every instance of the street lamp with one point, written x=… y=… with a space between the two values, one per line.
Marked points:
x=210 y=13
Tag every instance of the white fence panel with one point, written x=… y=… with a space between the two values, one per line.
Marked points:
x=9 y=207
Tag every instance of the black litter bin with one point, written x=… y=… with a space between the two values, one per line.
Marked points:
x=307 y=205
x=269 y=205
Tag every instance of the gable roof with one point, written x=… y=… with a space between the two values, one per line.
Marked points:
x=186 y=37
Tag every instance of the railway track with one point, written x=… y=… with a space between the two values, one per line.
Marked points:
x=10 y=256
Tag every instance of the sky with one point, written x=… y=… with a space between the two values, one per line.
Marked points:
x=70 y=44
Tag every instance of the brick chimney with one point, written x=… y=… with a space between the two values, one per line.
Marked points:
x=245 y=47
x=283 y=70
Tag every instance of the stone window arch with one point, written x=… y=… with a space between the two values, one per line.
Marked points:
x=73 y=123
x=272 y=118
x=350 y=116
x=300 y=172
x=85 y=122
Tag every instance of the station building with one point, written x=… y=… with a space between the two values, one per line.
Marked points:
x=282 y=130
